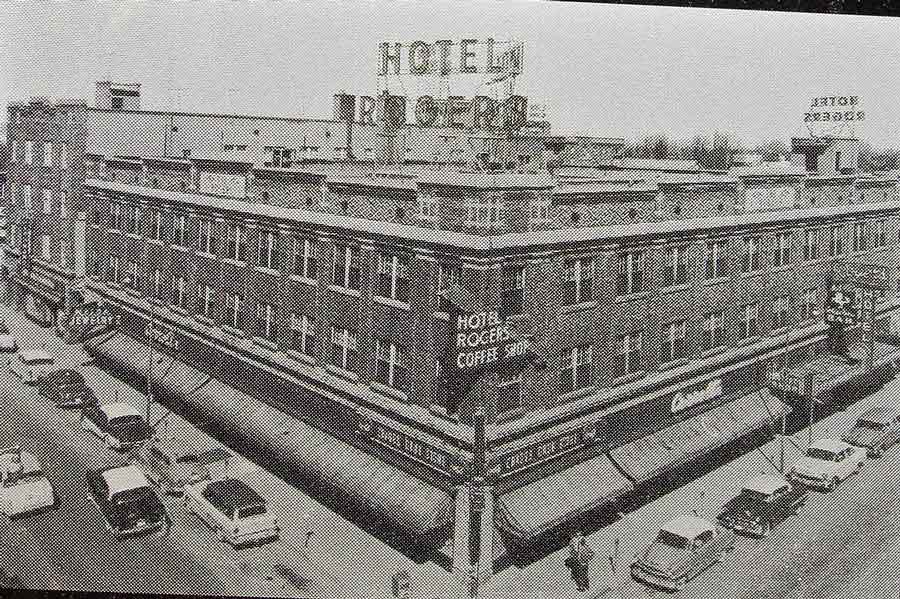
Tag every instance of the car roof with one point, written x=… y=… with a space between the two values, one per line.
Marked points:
x=231 y=493
x=765 y=483
x=832 y=445
x=29 y=355
x=687 y=526
x=66 y=373
x=30 y=463
x=124 y=478
x=115 y=410
x=882 y=414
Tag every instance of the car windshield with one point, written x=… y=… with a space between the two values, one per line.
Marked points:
x=672 y=540
x=132 y=495
x=251 y=510
x=871 y=424
x=125 y=421
x=755 y=495
x=39 y=361
x=822 y=454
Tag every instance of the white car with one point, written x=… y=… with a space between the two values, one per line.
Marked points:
x=7 y=341
x=24 y=488
x=119 y=425
x=234 y=510
x=827 y=463
x=31 y=364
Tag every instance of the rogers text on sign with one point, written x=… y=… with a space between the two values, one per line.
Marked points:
x=483 y=338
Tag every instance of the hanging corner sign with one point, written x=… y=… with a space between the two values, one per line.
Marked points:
x=840 y=308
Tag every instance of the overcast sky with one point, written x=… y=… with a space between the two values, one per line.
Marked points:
x=602 y=70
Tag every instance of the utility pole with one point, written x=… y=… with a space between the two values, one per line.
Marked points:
x=811 y=398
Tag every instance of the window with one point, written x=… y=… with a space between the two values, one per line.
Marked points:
x=485 y=211
x=14 y=148
x=811 y=244
x=281 y=157
x=674 y=346
x=114 y=274
x=266 y=254
x=749 y=321
x=179 y=288
x=716 y=254
x=344 y=349
x=26 y=195
x=133 y=221
x=808 y=304
x=713 y=331
x=391 y=365
x=48 y=201
x=303 y=334
x=207 y=242
x=578 y=281
x=628 y=354
x=859 y=237
x=346 y=267
x=675 y=267
x=63 y=157
x=267 y=321
x=133 y=275
x=115 y=216
x=750 y=261
x=180 y=237
x=48 y=153
x=781 y=312
x=782 y=249
x=234 y=310
x=393 y=277
x=29 y=151
x=836 y=240
x=303 y=257
x=576 y=370
x=448 y=275
x=207 y=301
x=156 y=284
x=45 y=247
x=236 y=243
x=428 y=206
x=156 y=225
x=512 y=290
x=539 y=212
x=509 y=392
x=879 y=239
x=631 y=273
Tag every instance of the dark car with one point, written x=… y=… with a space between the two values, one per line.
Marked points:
x=66 y=388
x=764 y=502
x=127 y=501
x=119 y=425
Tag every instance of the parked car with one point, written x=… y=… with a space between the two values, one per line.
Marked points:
x=7 y=341
x=66 y=388
x=232 y=509
x=31 y=365
x=827 y=463
x=684 y=547
x=764 y=501
x=24 y=488
x=127 y=501
x=119 y=425
x=171 y=464
x=876 y=429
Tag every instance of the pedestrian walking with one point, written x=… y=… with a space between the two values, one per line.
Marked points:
x=580 y=556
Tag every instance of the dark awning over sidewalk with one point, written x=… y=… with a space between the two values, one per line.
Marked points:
x=650 y=456
x=540 y=506
x=127 y=356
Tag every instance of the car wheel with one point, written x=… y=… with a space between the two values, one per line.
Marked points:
x=765 y=529
x=833 y=483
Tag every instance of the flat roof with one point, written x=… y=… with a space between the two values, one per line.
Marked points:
x=124 y=478
x=687 y=526
x=765 y=483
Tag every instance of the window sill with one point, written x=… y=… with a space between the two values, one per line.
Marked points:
x=630 y=377
x=391 y=302
x=571 y=308
x=155 y=241
x=300 y=357
x=813 y=261
x=780 y=331
x=132 y=235
x=716 y=281
x=266 y=270
x=180 y=310
x=206 y=254
x=180 y=248
x=442 y=315
x=753 y=273
x=344 y=290
x=132 y=292
x=620 y=299
x=155 y=301
x=304 y=280
x=782 y=268
x=441 y=412
x=675 y=288
x=204 y=320
x=510 y=415
x=233 y=331
x=577 y=393
x=266 y=343
x=673 y=364
x=389 y=391
x=713 y=351
x=749 y=340
x=234 y=262
x=340 y=372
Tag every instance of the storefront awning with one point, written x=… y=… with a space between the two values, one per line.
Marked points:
x=122 y=354
x=650 y=456
x=544 y=504
x=178 y=380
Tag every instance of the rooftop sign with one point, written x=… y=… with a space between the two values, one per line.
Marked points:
x=830 y=109
x=446 y=57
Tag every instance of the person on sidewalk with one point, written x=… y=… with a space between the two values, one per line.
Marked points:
x=580 y=556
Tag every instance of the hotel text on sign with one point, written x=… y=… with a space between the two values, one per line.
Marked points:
x=482 y=339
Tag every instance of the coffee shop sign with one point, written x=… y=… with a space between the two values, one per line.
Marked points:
x=483 y=338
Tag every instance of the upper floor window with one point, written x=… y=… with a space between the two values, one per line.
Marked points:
x=13 y=150
x=236 y=243
x=303 y=257
x=393 y=277
x=207 y=241
x=631 y=273
x=156 y=225
x=782 y=249
x=180 y=237
x=156 y=288
x=266 y=255
x=346 y=267
x=133 y=220
x=675 y=267
x=539 y=212
x=576 y=370
x=428 y=206
x=811 y=244
x=485 y=211
x=512 y=290
x=750 y=257
x=509 y=391
x=713 y=331
x=809 y=304
x=29 y=151
x=267 y=321
x=48 y=153
x=391 y=364
x=859 y=237
x=836 y=240
x=578 y=281
x=448 y=275
x=303 y=333
x=63 y=203
x=781 y=312
x=234 y=310
x=344 y=350
x=115 y=215
x=627 y=357
x=207 y=300
x=879 y=239
x=716 y=259
x=114 y=274
x=48 y=201
x=63 y=156
x=674 y=344
x=179 y=288
x=749 y=321
x=133 y=275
